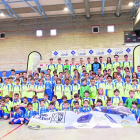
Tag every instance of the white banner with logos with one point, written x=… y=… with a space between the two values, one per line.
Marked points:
x=93 y=52
x=107 y=117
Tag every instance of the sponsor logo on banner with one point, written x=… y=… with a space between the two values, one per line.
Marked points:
x=93 y=52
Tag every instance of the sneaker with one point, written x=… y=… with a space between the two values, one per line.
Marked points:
x=11 y=122
x=21 y=122
x=26 y=123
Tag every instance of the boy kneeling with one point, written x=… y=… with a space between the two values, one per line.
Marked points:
x=17 y=117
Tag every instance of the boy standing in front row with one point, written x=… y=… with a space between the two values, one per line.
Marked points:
x=129 y=101
x=135 y=111
x=29 y=113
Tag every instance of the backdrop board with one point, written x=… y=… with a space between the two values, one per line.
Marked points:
x=33 y=60
x=105 y=117
x=136 y=57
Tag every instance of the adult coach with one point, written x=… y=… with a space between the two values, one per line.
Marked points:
x=96 y=65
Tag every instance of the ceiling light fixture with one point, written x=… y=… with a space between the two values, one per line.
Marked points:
x=130 y=3
x=66 y=9
x=2 y=15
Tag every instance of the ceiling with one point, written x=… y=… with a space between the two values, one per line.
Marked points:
x=20 y=9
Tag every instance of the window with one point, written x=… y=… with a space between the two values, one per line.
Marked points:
x=95 y=29
x=53 y=32
x=110 y=28
x=39 y=33
x=2 y=35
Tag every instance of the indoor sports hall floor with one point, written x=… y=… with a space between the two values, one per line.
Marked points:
x=20 y=132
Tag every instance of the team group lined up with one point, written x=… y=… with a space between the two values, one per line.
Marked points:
x=78 y=88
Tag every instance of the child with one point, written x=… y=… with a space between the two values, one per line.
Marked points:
x=126 y=63
x=76 y=98
x=138 y=71
x=68 y=90
x=109 y=102
x=21 y=75
x=66 y=65
x=51 y=66
x=36 y=79
x=23 y=106
x=99 y=103
x=16 y=101
x=136 y=89
x=40 y=90
x=93 y=88
x=54 y=99
x=24 y=88
x=127 y=88
x=8 y=102
x=91 y=74
x=102 y=84
x=129 y=101
x=61 y=76
x=75 y=87
x=52 y=107
x=116 y=98
x=72 y=67
x=48 y=87
x=54 y=75
x=101 y=96
x=42 y=76
x=29 y=113
x=59 y=66
x=31 y=90
x=47 y=102
x=120 y=85
x=17 y=88
x=18 y=116
x=86 y=108
x=35 y=104
x=59 y=90
x=80 y=65
x=97 y=80
x=135 y=111
x=5 y=89
x=42 y=109
x=76 y=108
x=54 y=81
x=88 y=65
x=87 y=98
x=84 y=88
x=110 y=72
x=65 y=106
x=12 y=73
x=109 y=87
x=11 y=87
x=116 y=63
x=4 y=110
x=4 y=75
x=1 y=85
x=64 y=99
x=87 y=78
x=120 y=103
x=29 y=79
